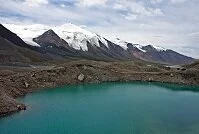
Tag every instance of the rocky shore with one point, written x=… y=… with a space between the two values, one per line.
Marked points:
x=19 y=82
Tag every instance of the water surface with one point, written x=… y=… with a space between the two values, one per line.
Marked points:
x=109 y=108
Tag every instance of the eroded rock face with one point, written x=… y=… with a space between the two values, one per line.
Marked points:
x=80 y=77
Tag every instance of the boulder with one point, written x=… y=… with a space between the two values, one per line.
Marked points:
x=26 y=84
x=84 y=67
x=80 y=77
x=33 y=75
x=21 y=107
x=150 y=79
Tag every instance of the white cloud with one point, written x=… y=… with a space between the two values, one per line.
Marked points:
x=36 y=3
x=157 y=12
x=40 y=12
x=88 y=3
x=156 y=1
x=63 y=5
x=130 y=16
x=195 y=34
x=192 y=52
x=194 y=38
x=145 y=26
x=119 y=6
x=138 y=8
x=177 y=1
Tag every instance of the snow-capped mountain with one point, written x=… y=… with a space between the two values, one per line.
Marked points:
x=14 y=49
x=124 y=45
x=69 y=40
x=75 y=36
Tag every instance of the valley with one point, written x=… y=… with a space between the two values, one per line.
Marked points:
x=37 y=57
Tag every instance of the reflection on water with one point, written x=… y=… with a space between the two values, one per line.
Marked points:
x=175 y=87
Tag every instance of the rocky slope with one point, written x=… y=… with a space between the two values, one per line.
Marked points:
x=12 y=37
x=18 y=81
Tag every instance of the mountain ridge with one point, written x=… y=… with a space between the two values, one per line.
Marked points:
x=71 y=40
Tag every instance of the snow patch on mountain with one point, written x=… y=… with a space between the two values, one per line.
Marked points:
x=27 y=32
x=78 y=37
x=121 y=43
x=138 y=46
x=158 y=48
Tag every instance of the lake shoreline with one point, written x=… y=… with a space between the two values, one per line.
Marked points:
x=93 y=107
x=16 y=84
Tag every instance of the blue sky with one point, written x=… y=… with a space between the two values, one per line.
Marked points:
x=168 y=23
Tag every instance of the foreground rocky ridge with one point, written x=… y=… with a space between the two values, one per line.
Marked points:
x=15 y=82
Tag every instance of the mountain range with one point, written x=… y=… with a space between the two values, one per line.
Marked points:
x=38 y=43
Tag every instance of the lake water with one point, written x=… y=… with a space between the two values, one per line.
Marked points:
x=109 y=108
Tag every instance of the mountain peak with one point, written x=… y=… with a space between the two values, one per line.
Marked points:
x=120 y=42
x=75 y=36
x=153 y=47
x=50 y=31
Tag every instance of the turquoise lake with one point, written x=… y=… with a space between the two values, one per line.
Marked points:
x=108 y=108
